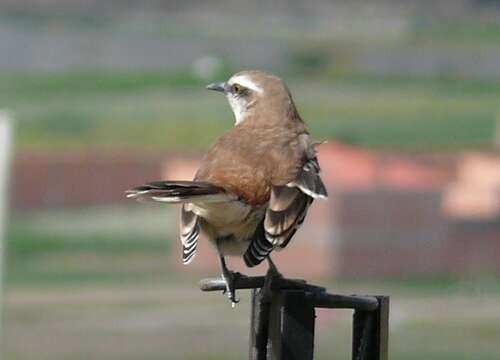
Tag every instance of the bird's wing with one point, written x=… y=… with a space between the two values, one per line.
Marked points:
x=287 y=209
x=189 y=233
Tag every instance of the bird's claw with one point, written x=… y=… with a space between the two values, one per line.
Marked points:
x=230 y=278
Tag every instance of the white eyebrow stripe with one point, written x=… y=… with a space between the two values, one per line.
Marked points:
x=246 y=82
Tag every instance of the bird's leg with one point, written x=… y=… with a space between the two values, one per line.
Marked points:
x=273 y=270
x=271 y=275
x=230 y=278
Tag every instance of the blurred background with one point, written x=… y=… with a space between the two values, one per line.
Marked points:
x=108 y=94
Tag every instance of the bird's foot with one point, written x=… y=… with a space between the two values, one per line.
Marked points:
x=230 y=278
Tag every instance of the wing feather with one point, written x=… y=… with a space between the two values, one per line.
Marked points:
x=286 y=212
x=289 y=204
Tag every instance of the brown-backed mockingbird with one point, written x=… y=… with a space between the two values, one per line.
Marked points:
x=255 y=184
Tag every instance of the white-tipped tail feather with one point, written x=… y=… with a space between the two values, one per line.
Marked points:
x=175 y=192
x=186 y=193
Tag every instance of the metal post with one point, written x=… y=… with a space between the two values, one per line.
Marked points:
x=259 y=327
x=294 y=338
x=370 y=332
x=282 y=327
x=282 y=322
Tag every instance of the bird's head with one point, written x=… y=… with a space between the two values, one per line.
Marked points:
x=253 y=91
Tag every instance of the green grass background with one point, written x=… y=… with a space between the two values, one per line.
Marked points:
x=173 y=112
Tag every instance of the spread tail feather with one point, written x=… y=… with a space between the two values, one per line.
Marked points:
x=179 y=192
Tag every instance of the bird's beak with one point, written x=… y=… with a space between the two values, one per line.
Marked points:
x=220 y=86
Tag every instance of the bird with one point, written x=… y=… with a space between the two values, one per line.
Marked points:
x=255 y=184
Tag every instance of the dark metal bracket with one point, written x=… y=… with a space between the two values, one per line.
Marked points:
x=282 y=325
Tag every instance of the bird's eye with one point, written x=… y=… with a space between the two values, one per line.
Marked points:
x=237 y=88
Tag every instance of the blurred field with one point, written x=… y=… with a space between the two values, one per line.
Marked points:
x=167 y=112
x=98 y=77
x=89 y=245
x=159 y=320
